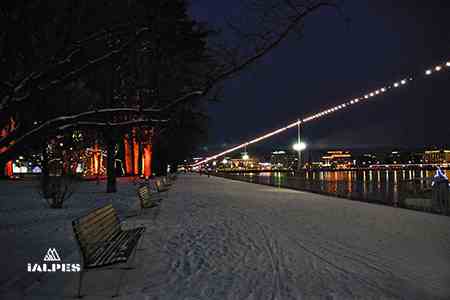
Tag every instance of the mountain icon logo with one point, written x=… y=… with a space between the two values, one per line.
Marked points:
x=52 y=255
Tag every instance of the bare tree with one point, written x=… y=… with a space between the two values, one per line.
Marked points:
x=148 y=47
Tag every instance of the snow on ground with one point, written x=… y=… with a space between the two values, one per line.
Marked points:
x=28 y=227
x=232 y=240
x=220 y=239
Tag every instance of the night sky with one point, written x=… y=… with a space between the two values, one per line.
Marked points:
x=335 y=61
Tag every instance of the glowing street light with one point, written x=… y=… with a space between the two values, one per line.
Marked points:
x=299 y=146
x=225 y=161
x=245 y=156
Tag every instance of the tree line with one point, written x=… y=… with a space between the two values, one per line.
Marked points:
x=78 y=72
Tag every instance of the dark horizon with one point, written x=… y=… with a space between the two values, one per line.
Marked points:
x=317 y=152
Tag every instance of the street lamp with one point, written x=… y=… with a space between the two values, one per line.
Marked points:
x=299 y=147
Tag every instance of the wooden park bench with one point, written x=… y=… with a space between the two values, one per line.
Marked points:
x=103 y=242
x=148 y=198
x=161 y=186
x=166 y=181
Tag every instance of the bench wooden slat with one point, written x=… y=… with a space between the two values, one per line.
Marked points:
x=118 y=250
x=104 y=253
x=146 y=197
x=94 y=215
x=92 y=231
x=104 y=220
x=100 y=226
x=161 y=188
x=101 y=238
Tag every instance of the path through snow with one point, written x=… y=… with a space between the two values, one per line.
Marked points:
x=222 y=239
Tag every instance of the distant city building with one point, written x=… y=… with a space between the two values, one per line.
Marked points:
x=265 y=166
x=283 y=160
x=313 y=165
x=416 y=158
x=396 y=157
x=244 y=164
x=366 y=159
x=337 y=159
x=437 y=156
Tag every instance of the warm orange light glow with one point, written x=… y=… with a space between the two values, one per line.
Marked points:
x=147 y=160
x=128 y=160
x=136 y=157
x=131 y=154
x=9 y=169
x=97 y=160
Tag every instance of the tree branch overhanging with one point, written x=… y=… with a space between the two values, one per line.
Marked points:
x=15 y=139
x=36 y=87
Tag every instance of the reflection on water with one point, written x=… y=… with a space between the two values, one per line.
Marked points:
x=380 y=186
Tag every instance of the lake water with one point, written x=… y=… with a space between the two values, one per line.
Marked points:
x=380 y=186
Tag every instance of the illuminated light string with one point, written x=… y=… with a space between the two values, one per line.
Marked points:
x=363 y=98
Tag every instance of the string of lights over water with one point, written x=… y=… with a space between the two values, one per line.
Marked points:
x=445 y=66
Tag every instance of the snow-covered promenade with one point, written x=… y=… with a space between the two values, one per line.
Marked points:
x=220 y=239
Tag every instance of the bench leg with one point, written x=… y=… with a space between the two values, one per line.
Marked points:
x=119 y=283
x=138 y=247
x=131 y=259
x=80 y=280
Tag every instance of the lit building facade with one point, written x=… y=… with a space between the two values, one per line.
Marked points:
x=337 y=159
x=244 y=164
x=283 y=160
x=437 y=156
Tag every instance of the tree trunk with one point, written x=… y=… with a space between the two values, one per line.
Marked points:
x=111 y=186
x=2 y=169
x=131 y=147
x=45 y=179
x=140 y=158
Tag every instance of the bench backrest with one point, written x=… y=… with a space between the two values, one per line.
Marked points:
x=152 y=186
x=95 y=228
x=144 y=194
x=158 y=184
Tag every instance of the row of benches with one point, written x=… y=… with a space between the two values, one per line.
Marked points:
x=101 y=239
